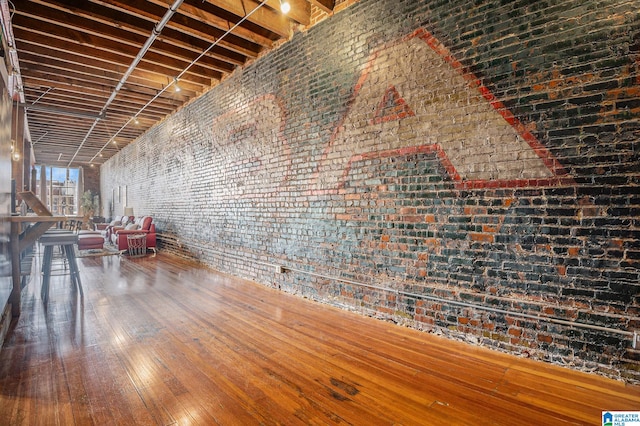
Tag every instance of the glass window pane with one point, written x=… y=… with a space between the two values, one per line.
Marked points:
x=62 y=189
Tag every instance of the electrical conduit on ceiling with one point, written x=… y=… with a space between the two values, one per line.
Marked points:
x=214 y=44
x=152 y=37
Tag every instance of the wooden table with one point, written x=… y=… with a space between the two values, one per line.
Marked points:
x=19 y=243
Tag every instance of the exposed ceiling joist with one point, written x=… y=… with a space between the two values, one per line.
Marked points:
x=73 y=55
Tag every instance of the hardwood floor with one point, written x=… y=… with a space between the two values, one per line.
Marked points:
x=157 y=340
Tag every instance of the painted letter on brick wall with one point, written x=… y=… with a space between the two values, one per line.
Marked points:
x=414 y=95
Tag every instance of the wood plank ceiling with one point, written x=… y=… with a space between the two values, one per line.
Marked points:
x=74 y=55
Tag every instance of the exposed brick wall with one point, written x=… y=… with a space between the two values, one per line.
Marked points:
x=91 y=178
x=454 y=167
x=317 y=15
x=91 y=182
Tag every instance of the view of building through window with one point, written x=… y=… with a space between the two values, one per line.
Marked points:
x=62 y=192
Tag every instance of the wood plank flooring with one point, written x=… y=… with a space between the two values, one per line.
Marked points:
x=160 y=341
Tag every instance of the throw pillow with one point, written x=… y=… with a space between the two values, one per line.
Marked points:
x=131 y=226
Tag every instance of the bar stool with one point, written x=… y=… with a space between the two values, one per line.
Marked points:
x=66 y=241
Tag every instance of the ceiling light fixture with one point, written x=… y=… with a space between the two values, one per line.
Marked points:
x=285 y=7
x=175 y=84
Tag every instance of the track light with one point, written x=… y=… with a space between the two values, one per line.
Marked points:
x=285 y=7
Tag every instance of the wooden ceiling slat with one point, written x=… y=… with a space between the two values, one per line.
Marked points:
x=172 y=64
x=51 y=121
x=40 y=86
x=158 y=108
x=87 y=23
x=108 y=78
x=81 y=85
x=142 y=8
x=60 y=141
x=263 y=35
x=64 y=49
x=224 y=16
x=74 y=53
x=113 y=16
x=74 y=128
x=61 y=109
x=267 y=17
x=55 y=98
x=93 y=105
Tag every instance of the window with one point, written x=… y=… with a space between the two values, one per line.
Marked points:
x=61 y=189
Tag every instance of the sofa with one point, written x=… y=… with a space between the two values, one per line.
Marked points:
x=106 y=229
x=140 y=225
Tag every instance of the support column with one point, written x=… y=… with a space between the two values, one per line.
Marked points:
x=18 y=154
x=43 y=184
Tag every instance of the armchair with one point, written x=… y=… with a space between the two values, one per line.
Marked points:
x=141 y=225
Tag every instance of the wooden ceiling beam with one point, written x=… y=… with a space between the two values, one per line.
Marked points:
x=92 y=97
x=51 y=120
x=51 y=48
x=74 y=53
x=81 y=84
x=142 y=8
x=76 y=42
x=266 y=25
x=142 y=26
x=47 y=107
x=136 y=99
x=93 y=65
x=66 y=100
x=64 y=60
x=93 y=144
x=157 y=109
x=109 y=78
x=42 y=123
x=208 y=14
x=66 y=135
x=51 y=125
